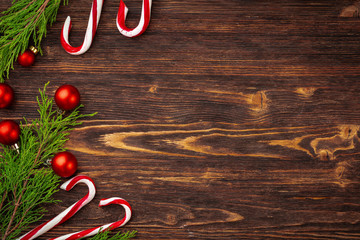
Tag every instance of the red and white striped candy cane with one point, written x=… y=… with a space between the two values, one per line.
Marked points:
x=110 y=226
x=67 y=213
x=90 y=31
x=144 y=20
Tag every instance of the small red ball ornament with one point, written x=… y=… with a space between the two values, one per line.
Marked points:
x=27 y=59
x=64 y=164
x=67 y=97
x=9 y=132
x=6 y=95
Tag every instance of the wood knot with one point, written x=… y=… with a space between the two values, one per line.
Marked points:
x=351 y=11
x=153 y=89
x=344 y=140
x=258 y=102
x=349 y=131
x=306 y=91
x=325 y=155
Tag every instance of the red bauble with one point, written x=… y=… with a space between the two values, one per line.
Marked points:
x=27 y=59
x=64 y=164
x=67 y=97
x=6 y=95
x=9 y=132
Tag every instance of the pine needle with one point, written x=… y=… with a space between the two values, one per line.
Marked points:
x=25 y=19
x=26 y=184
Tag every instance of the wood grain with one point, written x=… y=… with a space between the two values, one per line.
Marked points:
x=225 y=120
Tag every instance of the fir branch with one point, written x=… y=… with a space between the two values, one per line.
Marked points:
x=23 y=20
x=119 y=236
x=26 y=184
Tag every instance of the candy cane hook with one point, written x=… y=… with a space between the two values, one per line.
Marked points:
x=144 y=20
x=67 y=213
x=90 y=31
x=110 y=226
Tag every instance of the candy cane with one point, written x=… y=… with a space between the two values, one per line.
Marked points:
x=67 y=213
x=144 y=20
x=90 y=31
x=110 y=226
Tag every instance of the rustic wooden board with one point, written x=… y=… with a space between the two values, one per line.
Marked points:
x=227 y=119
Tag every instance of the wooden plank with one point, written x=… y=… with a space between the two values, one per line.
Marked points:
x=225 y=120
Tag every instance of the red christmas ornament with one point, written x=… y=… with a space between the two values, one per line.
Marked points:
x=6 y=95
x=64 y=164
x=9 y=132
x=27 y=59
x=67 y=97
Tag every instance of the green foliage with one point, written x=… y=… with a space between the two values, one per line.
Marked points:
x=25 y=19
x=119 y=236
x=25 y=181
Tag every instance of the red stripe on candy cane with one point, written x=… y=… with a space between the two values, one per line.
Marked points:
x=110 y=226
x=144 y=20
x=90 y=31
x=67 y=213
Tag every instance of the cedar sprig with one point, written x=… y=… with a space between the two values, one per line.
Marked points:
x=25 y=19
x=26 y=183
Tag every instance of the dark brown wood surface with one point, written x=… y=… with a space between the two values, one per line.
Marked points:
x=226 y=119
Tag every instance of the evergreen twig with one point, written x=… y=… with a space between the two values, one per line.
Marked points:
x=25 y=183
x=23 y=20
x=119 y=236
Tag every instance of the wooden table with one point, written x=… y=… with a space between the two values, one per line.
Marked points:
x=227 y=119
